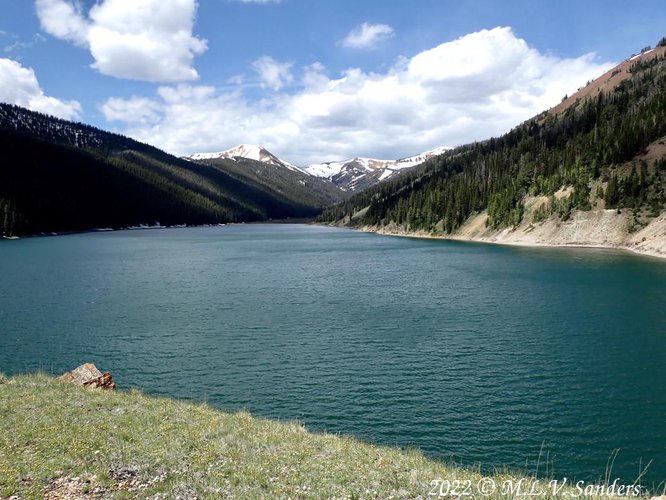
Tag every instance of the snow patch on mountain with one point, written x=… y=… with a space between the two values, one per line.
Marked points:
x=249 y=151
x=349 y=175
x=352 y=175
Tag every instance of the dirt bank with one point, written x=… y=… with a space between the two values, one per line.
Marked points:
x=599 y=228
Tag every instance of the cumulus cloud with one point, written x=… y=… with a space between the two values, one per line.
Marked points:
x=64 y=20
x=367 y=36
x=478 y=86
x=148 y=40
x=19 y=85
x=140 y=109
x=272 y=74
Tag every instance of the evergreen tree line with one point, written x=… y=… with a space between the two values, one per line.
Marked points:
x=591 y=140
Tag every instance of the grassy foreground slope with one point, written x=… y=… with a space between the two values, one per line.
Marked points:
x=61 y=441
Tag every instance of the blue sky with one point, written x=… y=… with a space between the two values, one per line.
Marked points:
x=311 y=80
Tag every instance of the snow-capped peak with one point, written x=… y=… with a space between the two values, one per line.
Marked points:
x=359 y=173
x=249 y=151
x=420 y=158
x=349 y=175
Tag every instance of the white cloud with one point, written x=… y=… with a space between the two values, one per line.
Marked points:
x=478 y=86
x=135 y=109
x=19 y=85
x=149 y=40
x=367 y=36
x=19 y=45
x=64 y=20
x=272 y=74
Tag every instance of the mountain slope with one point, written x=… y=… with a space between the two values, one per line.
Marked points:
x=348 y=176
x=603 y=152
x=358 y=174
x=256 y=165
x=246 y=151
x=609 y=80
x=62 y=176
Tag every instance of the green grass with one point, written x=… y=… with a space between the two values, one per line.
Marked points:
x=56 y=438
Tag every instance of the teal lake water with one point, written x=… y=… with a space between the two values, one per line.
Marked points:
x=479 y=353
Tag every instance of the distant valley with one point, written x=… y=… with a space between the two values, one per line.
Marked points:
x=256 y=165
x=589 y=171
x=60 y=176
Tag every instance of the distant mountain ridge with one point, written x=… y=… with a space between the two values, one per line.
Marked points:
x=256 y=165
x=351 y=175
x=248 y=151
x=358 y=173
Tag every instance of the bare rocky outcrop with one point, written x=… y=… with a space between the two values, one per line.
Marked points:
x=87 y=375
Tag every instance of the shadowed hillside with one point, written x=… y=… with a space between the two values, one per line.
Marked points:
x=62 y=176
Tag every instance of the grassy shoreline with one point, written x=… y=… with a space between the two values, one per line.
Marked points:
x=58 y=440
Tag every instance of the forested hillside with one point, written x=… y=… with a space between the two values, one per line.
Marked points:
x=597 y=146
x=296 y=186
x=62 y=176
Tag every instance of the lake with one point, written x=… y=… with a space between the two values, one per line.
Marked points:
x=477 y=353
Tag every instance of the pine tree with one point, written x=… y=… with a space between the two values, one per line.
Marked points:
x=612 y=196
